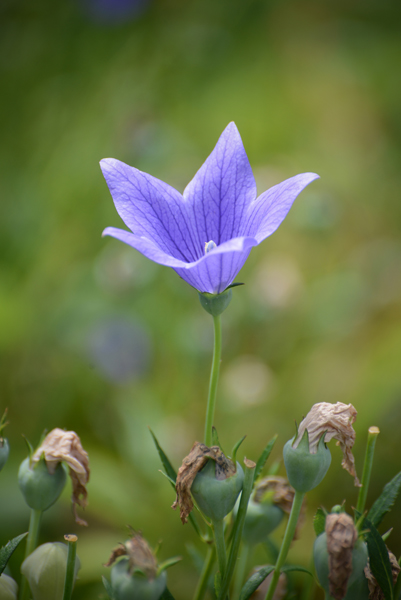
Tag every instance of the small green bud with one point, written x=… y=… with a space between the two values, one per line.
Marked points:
x=305 y=470
x=45 y=571
x=216 y=497
x=215 y=304
x=8 y=588
x=135 y=586
x=261 y=519
x=4 y=451
x=40 y=488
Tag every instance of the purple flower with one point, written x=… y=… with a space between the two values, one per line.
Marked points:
x=207 y=233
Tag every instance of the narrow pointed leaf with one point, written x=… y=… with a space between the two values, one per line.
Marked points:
x=319 y=521
x=385 y=501
x=289 y=568
x=264 y=456
x=7 y=550
x=108 y=588
x=235 y=449
x=215 y=439
x=167 y=595
x=168 y=467
x=254 y=582
x=233 y=285
x=168 y=563
x=379 y=560
x=167 y=477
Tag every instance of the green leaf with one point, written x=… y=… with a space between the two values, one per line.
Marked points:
x=319 y=521
x=232 y=285
x=385 y=501
x=217 y=583
x=168 y=467
x=254 y=582
x=289 y=568
x=108 y=588
x=215 y=439
x=167 y=477
x=170 y=562
x=167 y=595
x=264 y=456
x=235 y=449
x=7 y=550
x=379 y=560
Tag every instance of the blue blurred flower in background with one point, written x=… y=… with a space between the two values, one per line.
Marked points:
x=207 y=233
x=115 y=11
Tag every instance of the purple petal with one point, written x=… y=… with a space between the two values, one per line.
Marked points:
x=151 y=209
x=221 y=191
x=217 y=269
x=271 y=208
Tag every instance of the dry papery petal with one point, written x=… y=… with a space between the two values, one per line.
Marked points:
x=336 y=420
x=191 y=465
x=139 y=553
x=65 y=446
x=341 y=539
x=375 y=592
x=283 y=497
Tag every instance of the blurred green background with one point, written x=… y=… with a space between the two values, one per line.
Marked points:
x=95 y=338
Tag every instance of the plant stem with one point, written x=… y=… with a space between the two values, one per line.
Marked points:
x=397 y=588
x=238 y=526
x=218 y=528
x=241 y=570
x=214 y=378
x=31 y=543
x=285 y=546
x=70 y=571
x=373 y=432
x=206 y=571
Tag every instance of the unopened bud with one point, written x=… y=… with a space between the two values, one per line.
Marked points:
x=40 y=488
x=306 y=470
x=8 y=588
x=45 y=571
x=4 y=451
x=127 y=586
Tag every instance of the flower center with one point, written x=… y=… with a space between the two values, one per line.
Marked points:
x=209 y=246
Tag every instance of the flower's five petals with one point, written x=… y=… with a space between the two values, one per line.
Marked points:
x=206 y=234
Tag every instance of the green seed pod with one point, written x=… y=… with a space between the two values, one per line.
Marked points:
x=8 y=588
x=261 y=519
x=357 y=588
x=305 y=470
x=39 y=488
x=136 y=586
x=4 y=452
x=215 y=304
x=45 y=571
x=216 y=497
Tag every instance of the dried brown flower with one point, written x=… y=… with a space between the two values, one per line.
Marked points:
x=335 y=420
x=375 y=592
x=191 y=465
x=341 y=538
x=65 y=446
x=140 y=555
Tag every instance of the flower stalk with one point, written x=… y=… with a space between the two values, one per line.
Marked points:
x=285 y=546
x=218 y=530
x=206 y=572
x=31 y=543
x=214 y=378
x=373 y=432
x=70 y=572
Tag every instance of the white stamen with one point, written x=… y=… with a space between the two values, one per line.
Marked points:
x=209 y=246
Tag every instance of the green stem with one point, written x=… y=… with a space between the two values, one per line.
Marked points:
x=214 y=378
x=238 y=526
x=373 y=432
x=397 y=588
x=70 y=571
x=285 y=546
x=241 y=570
x=31 y=543
x=206 y=572
x=218 y=528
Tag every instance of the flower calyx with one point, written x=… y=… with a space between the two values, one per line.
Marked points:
x=214 y=480
x=141 y=558
x=215 y=304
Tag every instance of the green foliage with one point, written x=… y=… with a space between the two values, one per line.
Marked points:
x=319 y=521
x=168 y=467
x=167 y=595
x=379 y=560
x=385 y=501
x=215 y=439
x=264 y=456
x=7 y=550
x=254 y=582
x=235 y=449
x=108 y=588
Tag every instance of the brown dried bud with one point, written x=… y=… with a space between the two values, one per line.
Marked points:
x=335 y=420
x=375 y=592
x=191 y=465
x=140 y=556
x=341 y=539
x=65 y=446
